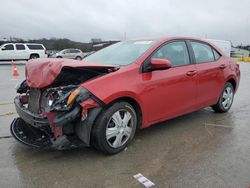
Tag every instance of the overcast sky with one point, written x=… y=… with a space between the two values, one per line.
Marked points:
x=81 y=20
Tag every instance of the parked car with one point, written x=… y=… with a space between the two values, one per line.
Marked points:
x=130 y=85
x=70 y=54
x=21 y=51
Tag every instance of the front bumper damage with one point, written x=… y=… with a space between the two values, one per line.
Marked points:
x=55 y=129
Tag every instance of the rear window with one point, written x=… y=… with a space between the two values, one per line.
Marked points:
x=20 y=47
x=35 y=47
x=216 y=55
x=203 y=53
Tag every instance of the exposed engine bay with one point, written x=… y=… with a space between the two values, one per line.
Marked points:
x=61 y=114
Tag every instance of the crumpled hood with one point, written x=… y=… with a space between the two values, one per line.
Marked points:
x=41 y=73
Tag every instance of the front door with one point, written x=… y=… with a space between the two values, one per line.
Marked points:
x=172 y=92
x=7 y=52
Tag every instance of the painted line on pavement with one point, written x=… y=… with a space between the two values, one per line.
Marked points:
x=7 y=114
x=6 y=103
x=143 y=180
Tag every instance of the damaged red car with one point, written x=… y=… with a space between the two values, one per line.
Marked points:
x=102 y=100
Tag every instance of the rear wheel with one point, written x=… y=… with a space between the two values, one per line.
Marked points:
x=114 y=128
x=226 y=99
x=34 y=56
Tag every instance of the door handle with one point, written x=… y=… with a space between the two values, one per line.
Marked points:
x=223 y=66
x=191 y=73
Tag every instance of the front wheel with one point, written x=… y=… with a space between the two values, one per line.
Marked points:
x=114 y=128
x=226 y=99
x=78 y=58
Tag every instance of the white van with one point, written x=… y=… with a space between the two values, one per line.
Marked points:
x=224 y=45
x=21 y=51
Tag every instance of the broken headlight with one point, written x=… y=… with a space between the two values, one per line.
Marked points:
x=80 y=94
x=63 y=98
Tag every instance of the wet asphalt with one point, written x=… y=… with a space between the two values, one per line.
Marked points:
x=201 y=149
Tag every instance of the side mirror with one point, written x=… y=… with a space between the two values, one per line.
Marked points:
x=159 y=64
x=3 y=48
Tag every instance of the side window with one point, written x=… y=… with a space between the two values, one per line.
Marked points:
x=35 y=47
x=203 y=53
x=20 y=47
x=66 y=51
x=74 y=51
x=216 y=55
x=176 y=52
x=9 y=47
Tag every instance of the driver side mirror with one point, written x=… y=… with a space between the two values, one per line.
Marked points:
x=160 y=64
x=3 y=48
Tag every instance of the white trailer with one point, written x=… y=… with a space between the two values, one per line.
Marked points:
x=224 y=45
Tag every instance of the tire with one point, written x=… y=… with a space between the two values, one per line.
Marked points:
x=78 y=58
x=114 y=128
x=59 y=57
x=34 y=56
x=226 y=99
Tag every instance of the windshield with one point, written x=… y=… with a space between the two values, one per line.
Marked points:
x=122 y=53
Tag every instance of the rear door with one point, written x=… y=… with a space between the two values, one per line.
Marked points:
x=210 y=75
x=21 y=53
x=74 y=53
x=172 y=92
x=67 y=54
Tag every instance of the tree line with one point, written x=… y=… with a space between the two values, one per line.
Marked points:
x=63 y=43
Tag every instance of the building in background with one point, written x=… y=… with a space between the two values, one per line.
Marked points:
x=238 y=52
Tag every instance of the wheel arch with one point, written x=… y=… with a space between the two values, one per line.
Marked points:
x=135 y=104
x=233 y=82
x=36 y=54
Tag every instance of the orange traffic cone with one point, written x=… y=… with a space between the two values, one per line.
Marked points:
x=12 y=64
x=15 y=71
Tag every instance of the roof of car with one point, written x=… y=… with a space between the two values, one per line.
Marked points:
x=23 y=43
x=71 y=49
x=169 y=38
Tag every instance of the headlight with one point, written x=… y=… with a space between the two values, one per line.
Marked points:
x=80 y=94
x=72 y=96
x=63 y=98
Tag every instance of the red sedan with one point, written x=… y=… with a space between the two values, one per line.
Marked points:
x=102 y=100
